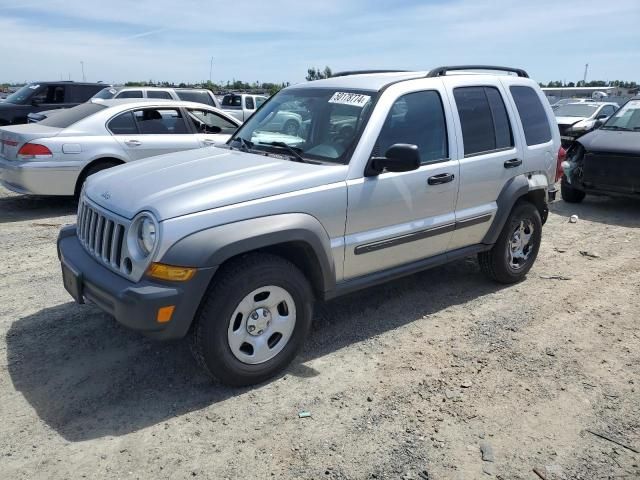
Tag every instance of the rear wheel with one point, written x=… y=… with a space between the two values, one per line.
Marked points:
x=94 y=168
x=517 y=247
x=569 y=193
x=253 y=320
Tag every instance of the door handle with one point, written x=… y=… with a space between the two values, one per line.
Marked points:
x=208 y=141
x=514 y=162
x=441 y=178
x=133 y=143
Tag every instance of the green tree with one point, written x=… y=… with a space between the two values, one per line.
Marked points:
x=317 y=74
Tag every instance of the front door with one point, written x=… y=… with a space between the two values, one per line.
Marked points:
x=398 y=218
x=213 y=128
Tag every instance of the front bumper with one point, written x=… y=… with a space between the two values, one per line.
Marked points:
x=134 y=305
x=39 y=177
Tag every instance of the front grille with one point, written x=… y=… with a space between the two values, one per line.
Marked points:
x=101 y=234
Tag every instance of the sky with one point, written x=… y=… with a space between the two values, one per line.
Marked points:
x=277 y=40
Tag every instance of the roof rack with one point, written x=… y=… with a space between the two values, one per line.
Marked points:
x=364 y=72
x=441 y=71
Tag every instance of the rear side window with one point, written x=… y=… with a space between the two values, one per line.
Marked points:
x=159 y=94
x=159 y=121
x=484 y=120
x=249 y=103
x=130 y=94
x=67 y=117
x=532 y=114
x=123 y=124
x=198 y=97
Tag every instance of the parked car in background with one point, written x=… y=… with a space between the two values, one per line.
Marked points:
x=241 y=105
x=577 y=118
x=56 y=155
x=198 y=95
x=233 y=245
x=607 y=160
x=38 y=96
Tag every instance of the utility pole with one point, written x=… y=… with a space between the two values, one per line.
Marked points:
x=210 y=69
x=82 y=66
x=586 y=69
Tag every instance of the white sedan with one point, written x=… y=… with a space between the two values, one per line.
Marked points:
x=56 y=155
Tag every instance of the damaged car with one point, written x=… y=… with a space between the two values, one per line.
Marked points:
x=605 y=161
x=577 y=118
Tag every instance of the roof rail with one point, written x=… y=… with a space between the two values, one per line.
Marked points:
x=363 y=72
x=440 y=71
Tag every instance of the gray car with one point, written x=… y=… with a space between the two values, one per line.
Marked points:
x=56 y=155
x=392 y=173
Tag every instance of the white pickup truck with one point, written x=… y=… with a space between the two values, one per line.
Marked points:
x=241 y=106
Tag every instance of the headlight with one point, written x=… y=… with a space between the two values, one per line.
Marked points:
x=143 y=236
x=147 y=235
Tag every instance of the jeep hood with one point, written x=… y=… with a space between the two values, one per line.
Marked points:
x=196 y=180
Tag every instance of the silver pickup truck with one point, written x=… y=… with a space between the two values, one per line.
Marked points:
x=388 y=174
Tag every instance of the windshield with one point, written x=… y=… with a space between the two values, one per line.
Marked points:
x=627 y=118
x=23 y=95
x=106 y=93
x=67 y=117
x=576 y=110
x=319 y=124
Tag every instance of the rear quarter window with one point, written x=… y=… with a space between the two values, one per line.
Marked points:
x=197 y=97
x=532 y=115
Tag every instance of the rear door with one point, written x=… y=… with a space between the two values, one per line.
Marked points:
x=491 y=154
x=159 y=130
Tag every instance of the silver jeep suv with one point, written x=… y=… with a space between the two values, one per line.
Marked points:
x=388 y=173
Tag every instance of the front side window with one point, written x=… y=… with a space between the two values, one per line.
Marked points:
x=249 y=103
x=626 y=118
x=417 y=119
x=206 y=121
x=50 y=94
x=607 y=111
x=158 y=121
x=319 y=124
x=159 y=94
x=123 y=124
x=130 y=94
x=484 y=120
x=532 y=115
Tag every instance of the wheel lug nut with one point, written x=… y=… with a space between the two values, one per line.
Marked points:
x=259 y=332
x=254 y=315
x=251 y=328
x=264 y=313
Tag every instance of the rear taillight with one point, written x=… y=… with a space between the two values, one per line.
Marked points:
x=562 y=156
x=33 y=150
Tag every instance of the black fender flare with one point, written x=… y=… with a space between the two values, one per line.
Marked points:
x=514 y=189
x=213 y=246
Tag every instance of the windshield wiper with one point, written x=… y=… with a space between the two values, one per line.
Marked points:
x=614 y=127
x=295 y=151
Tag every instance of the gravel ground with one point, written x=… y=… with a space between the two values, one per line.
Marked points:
x=441 y=375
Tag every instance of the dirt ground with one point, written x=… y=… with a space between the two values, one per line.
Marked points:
x=420 y=379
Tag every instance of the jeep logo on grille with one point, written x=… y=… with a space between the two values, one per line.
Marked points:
x=106 y=195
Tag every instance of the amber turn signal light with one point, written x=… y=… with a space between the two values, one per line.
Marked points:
x=171 y=273
x=164 y=314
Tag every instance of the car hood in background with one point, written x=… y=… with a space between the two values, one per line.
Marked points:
x=612 y=141
x=196 y=180
x=569 y=120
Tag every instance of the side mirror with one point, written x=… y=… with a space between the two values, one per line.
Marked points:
x=602 y=116
x=212 y=129
x=597 y=124
x=401 y=157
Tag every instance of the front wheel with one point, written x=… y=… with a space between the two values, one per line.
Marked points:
x=517 y=247
x=569 y=193
x=253 y=320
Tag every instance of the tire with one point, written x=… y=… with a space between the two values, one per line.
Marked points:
x=570 y=194
x=498 y=263
x=290 y=127
x=94 y=168
x=221 y=334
